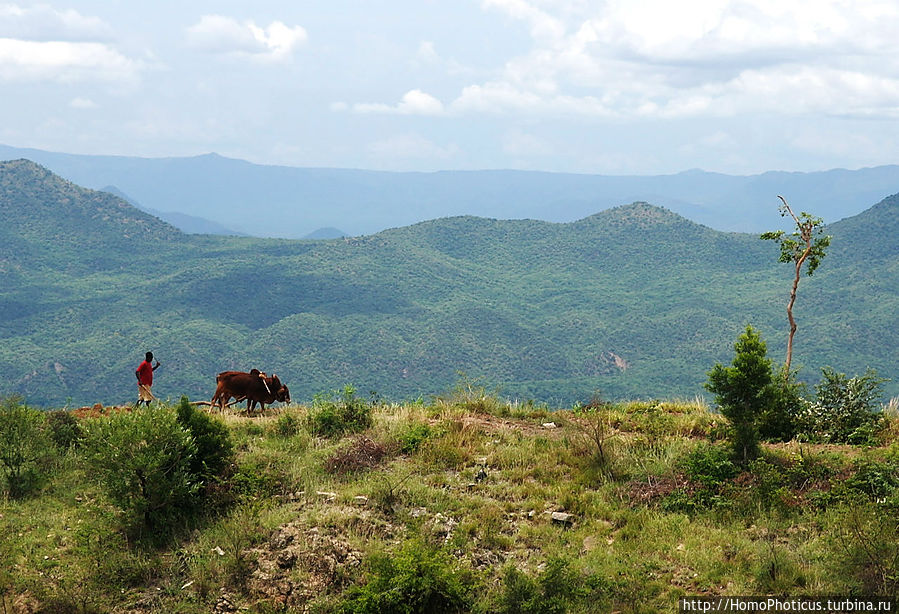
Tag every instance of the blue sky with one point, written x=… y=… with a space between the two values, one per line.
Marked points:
x=610 y=87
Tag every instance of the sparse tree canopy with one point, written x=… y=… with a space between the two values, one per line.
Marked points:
x=805 y=246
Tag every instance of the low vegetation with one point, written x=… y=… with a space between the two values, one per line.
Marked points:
x=466 y=503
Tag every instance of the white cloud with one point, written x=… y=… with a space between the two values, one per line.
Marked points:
x=219 y=34
x=414 y=102
x=63 y=61
x=44 y=23
x=658 y=59
x=43 y=43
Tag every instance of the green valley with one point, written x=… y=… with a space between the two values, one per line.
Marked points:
x=635 y=301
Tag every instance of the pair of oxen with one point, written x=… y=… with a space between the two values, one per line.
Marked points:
x=255 y=387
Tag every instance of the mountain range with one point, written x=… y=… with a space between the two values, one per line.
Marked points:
x=218 y=195
x=634 y=301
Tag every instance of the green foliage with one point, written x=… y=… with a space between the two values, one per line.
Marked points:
x=709 y=465
x=417 y=579
x=778 y=420
x=551 y=592
x=864 y=540
x=288 y=424
x=65 y=431
x=214 y=449
x=144 y=460
x=403 y=310
x=778 y=572
x=809 y=236
x=339 y=412
x=413 y=436
x=845 y=410
x=744 y=391
x=24 y=446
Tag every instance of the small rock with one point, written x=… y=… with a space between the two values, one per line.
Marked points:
x=550 y=425
x=562 y=518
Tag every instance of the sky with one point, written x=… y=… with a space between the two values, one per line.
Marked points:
x=622 y=87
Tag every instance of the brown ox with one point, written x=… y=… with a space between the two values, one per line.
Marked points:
x=255 y=387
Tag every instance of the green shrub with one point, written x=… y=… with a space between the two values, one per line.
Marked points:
x=844 y=409
x=24 y=446
x=215 y=450
x=288 y=424
x=710 y=470
x=875 y=479
x=65 y=431
x=551 y=592
x=710 y=465
x=863 y=540
x=418 y=579
x=339 y=412
x=143 y=459
x=415 y=434
x=778 y=421
x=768 y=488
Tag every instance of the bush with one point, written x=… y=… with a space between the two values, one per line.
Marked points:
x=778 y=421
x=215 y=450
x=65 y=431
x=288 y=424
x=413 y=436
x=24 y=446
x=144 y=459
x=844 y=410
x=550 y=593
x=416 y=579
x=339 y=412
x=710 y=466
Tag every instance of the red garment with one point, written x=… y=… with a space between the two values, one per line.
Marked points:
x=145 y=373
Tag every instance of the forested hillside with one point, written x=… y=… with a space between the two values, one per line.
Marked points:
x=636 y=301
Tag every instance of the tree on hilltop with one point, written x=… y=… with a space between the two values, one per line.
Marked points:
x=805 y=246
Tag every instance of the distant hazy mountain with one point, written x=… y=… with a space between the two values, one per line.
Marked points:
x=635 y=301
x=279 y=201
x=185 y=223
x=326 y=233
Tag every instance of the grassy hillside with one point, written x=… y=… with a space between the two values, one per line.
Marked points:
x=463 y=504
x=635 y=301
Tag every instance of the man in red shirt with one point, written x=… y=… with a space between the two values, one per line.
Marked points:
x=144 y=373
